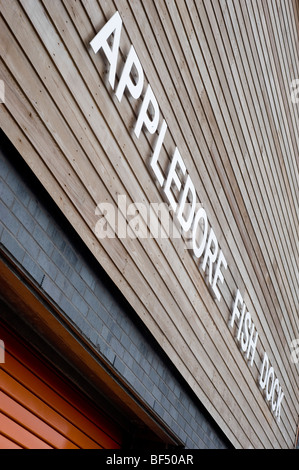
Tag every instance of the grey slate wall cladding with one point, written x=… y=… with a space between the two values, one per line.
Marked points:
x=35 y=233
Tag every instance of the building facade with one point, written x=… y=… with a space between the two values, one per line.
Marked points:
x=149 y=224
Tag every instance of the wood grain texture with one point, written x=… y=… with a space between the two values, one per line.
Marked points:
x=221 y=72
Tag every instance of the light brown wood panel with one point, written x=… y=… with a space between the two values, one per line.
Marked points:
x=154 y=23
x=60 y=169
x=261 y=198
x=184 y=16
x=293 y=311
x=256 y=81
x=267 y=168
x=120 y=254
x=210 y=65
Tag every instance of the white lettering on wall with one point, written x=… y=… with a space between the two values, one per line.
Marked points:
x=178 y=189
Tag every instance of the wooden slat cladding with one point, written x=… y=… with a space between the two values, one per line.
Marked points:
x=222 y=73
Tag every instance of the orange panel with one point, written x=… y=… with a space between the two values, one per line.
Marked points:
x=41 y=409
x=21 y=435
x=7 y=443
x=31 y=371
x=38 y=407
x=28 y=420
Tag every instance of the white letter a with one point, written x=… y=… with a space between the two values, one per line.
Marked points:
x=100 y=41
